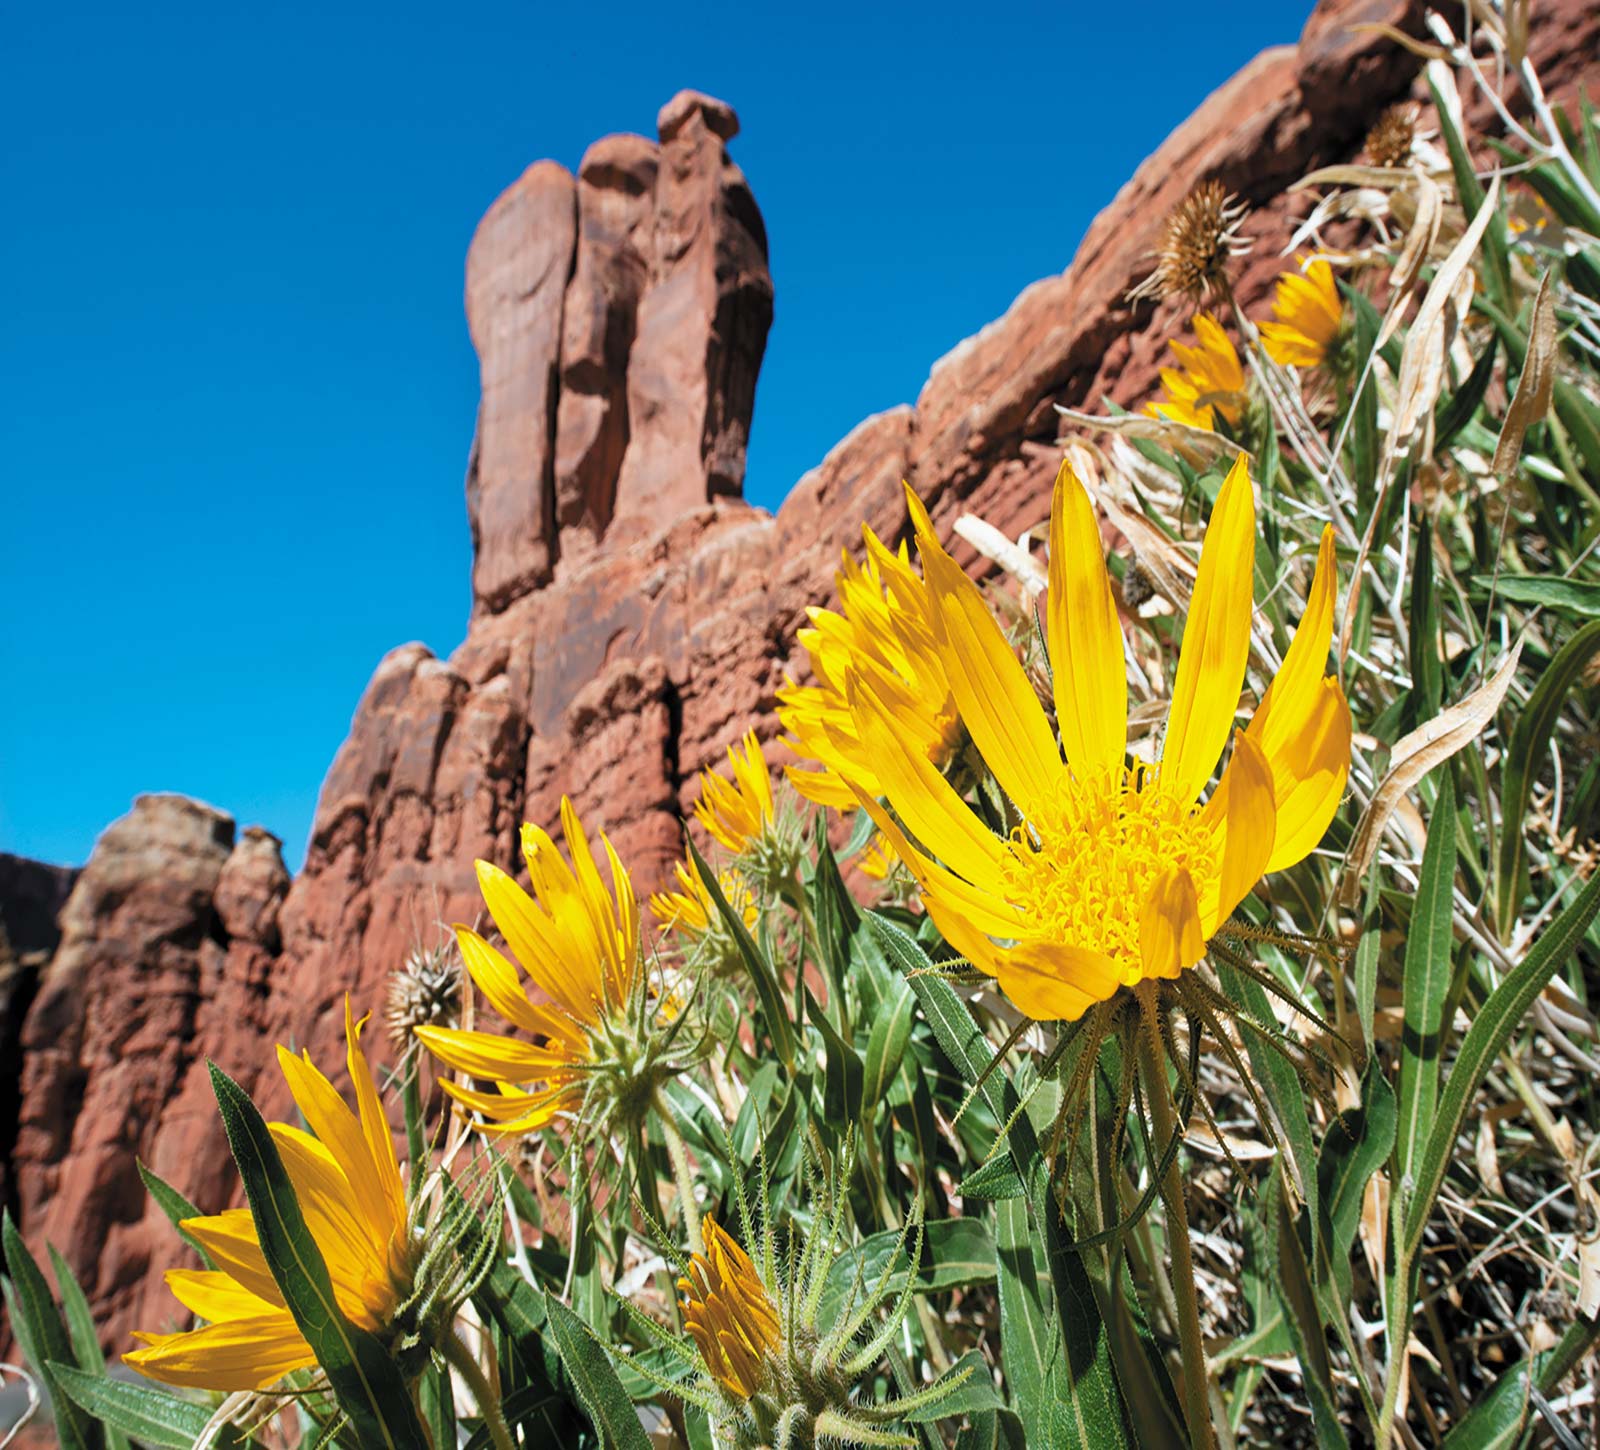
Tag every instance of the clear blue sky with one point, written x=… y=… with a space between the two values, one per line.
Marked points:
x=236 y=391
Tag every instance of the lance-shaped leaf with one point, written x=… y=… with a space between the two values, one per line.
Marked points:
x=365 y=1380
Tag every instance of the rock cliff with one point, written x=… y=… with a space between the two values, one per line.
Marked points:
x=631 y=614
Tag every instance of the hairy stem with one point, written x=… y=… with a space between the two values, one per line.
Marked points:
x=1164 y=1120
x=465 y=1363
x=681 y=1172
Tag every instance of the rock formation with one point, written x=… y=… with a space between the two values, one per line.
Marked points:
x=631 y=614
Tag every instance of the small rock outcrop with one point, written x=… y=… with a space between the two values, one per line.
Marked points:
x=631 y=614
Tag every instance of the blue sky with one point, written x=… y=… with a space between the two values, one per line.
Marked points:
x=236 y=390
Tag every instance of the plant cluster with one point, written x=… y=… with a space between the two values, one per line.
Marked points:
x=1216 y=1063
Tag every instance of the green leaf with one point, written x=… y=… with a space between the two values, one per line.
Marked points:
x=1563 y=596
x=152 y=1416
x=993 y=1430
x=1496 y=269
x=843 y=1074
x=974 y=1396
x=1451 y=416
x=1427 y=982
x=1085 y=1406
x=1285 y=1092
x=604 y=1400
x=81 y=1331
x=365 y=1380
x=175 y=1206
x=1525 y=754
x=1496 y=1020
x=779 y=1028
x=42 y=1337
x=1355 y=1147
x=998 y=1178
x=1305 y=1328
x=886 y=1045
x=1427 y=670
x=1367 y=952
x=956 y=1253
x=1498 y=1418
x=1029 y=1340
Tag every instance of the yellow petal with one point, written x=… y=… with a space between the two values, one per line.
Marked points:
x=1216 y=642
x=1309 y=775
x=212 y=1294
x=1170 y=938
x=924 y=799
x=1303 y=725
x=328 y=1203
x=341 y=1133
x=991 y=691
x=497 y=979
x=237 y=1354
x=493 y=1058
x=1086 y=655
x=979 y=910
x=1246 y=816
x=374 y=1124
x=230 y=1238
x=1049 y=981
x=539 y=943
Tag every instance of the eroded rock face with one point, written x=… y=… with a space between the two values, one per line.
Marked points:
x=632 y=616
x=148 y=976
x=620 y=320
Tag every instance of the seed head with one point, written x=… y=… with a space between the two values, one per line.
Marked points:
x=1389 y=141
x=1198 y=239
x=424 y=992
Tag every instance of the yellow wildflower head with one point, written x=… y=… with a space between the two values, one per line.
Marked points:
x=729 y=1314
x=347 y=1180
x=1116 y=873
x=1198 y=239
x=735 y=812
x=1208 y=380
x=775 y=1370
x=882 y=627
x=692 y=910
x=592 y=1054
x=1306 y=317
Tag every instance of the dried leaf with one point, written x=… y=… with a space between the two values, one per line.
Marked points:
x=1589 y=1253
x=1400 y=38
x=1487 y=1159
x=1422 y=362
x=1413 y=757
x=1424 y=232
x=1008 y=554
x=1384 y=178
x=1536 y=384
x=1159 y=430
x=1375 y=1224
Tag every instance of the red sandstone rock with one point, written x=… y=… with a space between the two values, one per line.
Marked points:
x=517 y=270
x=631 y=617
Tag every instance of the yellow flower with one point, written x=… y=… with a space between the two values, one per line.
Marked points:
x=1115 y=875
x=692 y=909
x=581 y=949
x=877 y=860
x=883 y=628
x=729 y=1314
x=348 y=1183
x=1209 y=381
x=736 y=813
x=1306 y=314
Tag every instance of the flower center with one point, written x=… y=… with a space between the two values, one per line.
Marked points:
x=1084 y=868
